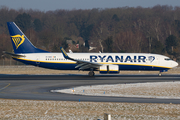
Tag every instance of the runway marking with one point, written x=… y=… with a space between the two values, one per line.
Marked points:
x=5 y=87
x=35 y=92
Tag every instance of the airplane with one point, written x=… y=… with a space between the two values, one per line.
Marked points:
x=105 y=63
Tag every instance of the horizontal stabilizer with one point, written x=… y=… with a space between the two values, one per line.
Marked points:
x=12 y=54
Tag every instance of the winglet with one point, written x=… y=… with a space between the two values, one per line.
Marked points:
x=64 y=53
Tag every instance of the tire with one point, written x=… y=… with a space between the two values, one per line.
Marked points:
x=91 y=73
x=159 y=74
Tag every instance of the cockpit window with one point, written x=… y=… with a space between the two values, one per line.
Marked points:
x=167 y=59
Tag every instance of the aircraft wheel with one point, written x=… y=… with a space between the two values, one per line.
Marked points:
x=159 y=74
x=91 y=73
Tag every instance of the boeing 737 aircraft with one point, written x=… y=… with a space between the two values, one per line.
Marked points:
x=107 y=63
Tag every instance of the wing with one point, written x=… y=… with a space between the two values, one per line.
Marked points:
x=81 y=64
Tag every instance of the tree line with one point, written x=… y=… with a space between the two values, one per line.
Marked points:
x=125 y=29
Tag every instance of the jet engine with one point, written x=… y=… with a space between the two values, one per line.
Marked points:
x=109 y=69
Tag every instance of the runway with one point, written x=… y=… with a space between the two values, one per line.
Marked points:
x=37 y=87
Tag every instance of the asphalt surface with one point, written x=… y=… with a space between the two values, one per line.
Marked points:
x=38 y=87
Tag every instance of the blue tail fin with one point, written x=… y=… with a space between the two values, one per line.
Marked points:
x=20 y=42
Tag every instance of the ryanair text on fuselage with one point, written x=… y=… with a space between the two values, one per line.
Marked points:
x=94 y=58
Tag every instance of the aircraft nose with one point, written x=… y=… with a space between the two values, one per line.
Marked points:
x=175 y=64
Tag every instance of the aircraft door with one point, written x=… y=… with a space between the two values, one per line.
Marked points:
x=157 y=61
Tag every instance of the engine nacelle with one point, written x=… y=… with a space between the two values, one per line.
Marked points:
x=111 y=69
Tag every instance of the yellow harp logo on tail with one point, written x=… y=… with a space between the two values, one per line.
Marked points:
x=18 y=40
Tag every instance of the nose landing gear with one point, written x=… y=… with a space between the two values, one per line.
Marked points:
x=159 y=74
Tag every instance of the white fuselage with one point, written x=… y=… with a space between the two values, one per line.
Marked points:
x=125 y=61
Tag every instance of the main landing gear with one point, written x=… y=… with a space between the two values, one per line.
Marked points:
x=91 y=73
